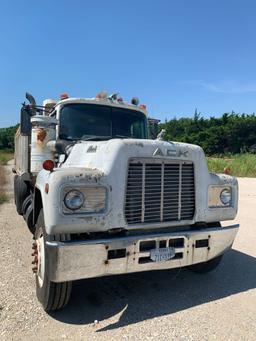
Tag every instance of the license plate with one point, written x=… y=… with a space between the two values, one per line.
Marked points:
x=163 y=254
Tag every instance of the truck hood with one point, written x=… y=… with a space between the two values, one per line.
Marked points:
x=106 y=163
x=103 y=155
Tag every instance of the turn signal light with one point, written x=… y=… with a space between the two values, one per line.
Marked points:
x=46 y=188
x=143 y=106
x=227 y=170
x=48 y=165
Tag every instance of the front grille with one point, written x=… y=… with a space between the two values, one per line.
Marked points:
x=159 y=191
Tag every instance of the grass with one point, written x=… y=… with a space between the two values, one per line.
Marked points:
x=5 y=156
x=242 y=165
x=3 y=195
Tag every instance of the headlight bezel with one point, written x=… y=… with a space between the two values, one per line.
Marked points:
x=214 y=196
x=90 y=206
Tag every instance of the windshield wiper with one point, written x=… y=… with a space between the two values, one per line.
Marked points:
x=95 y=138
x=67 y=138
x=121 y=136
x=100 y=138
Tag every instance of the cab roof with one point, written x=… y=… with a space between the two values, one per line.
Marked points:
x=103 y=101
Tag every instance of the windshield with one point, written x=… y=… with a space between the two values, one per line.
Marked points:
x=97 y=122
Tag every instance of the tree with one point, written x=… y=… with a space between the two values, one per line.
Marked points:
x=7 y=137
x=231 y=133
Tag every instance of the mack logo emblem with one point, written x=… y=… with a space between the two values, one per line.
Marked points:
x=170 y=152
x=158 y=152
x=183 y=153
x=92 y=149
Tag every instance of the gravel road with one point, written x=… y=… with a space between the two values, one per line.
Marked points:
x=164 y=305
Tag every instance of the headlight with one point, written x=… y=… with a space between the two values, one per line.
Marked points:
x=225 y=196
x=74 y=200
x=84 y=200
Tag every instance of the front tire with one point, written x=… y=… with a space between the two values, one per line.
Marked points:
x=206 y=266
x=51 y=295
x=28 y=213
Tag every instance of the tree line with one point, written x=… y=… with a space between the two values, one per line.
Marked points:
x=230 y=133
x=7 y=137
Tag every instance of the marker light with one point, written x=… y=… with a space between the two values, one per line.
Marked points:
x=113 y=97
x=46 y=188
x=48 y=165
x=64 y=96
x=102 y=95
x=143 y=106
x=135 y=101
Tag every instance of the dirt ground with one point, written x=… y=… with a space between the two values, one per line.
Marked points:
x=163 y=305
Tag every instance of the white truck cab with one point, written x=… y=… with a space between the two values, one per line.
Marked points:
x=102 y=197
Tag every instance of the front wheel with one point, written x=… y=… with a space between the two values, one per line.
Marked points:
x=51 y=295
x=206 y=266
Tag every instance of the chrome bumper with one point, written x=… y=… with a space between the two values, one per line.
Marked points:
x=93 y=258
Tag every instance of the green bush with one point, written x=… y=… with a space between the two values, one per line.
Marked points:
x=231 y=133
x=7 y=137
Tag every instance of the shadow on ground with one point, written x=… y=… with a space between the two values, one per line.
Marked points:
x=146 y=295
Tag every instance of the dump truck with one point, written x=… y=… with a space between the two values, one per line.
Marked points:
x=103 y=194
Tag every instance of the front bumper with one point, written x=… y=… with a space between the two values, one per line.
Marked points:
x=94 y=258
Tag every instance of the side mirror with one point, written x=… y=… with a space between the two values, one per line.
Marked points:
x=25 y=115
x=25 y=123
x=153 y=128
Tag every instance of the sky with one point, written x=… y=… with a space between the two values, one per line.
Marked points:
x=175 y=55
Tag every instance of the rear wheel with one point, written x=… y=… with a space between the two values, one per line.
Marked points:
x=51 y=295
x=206 y=266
